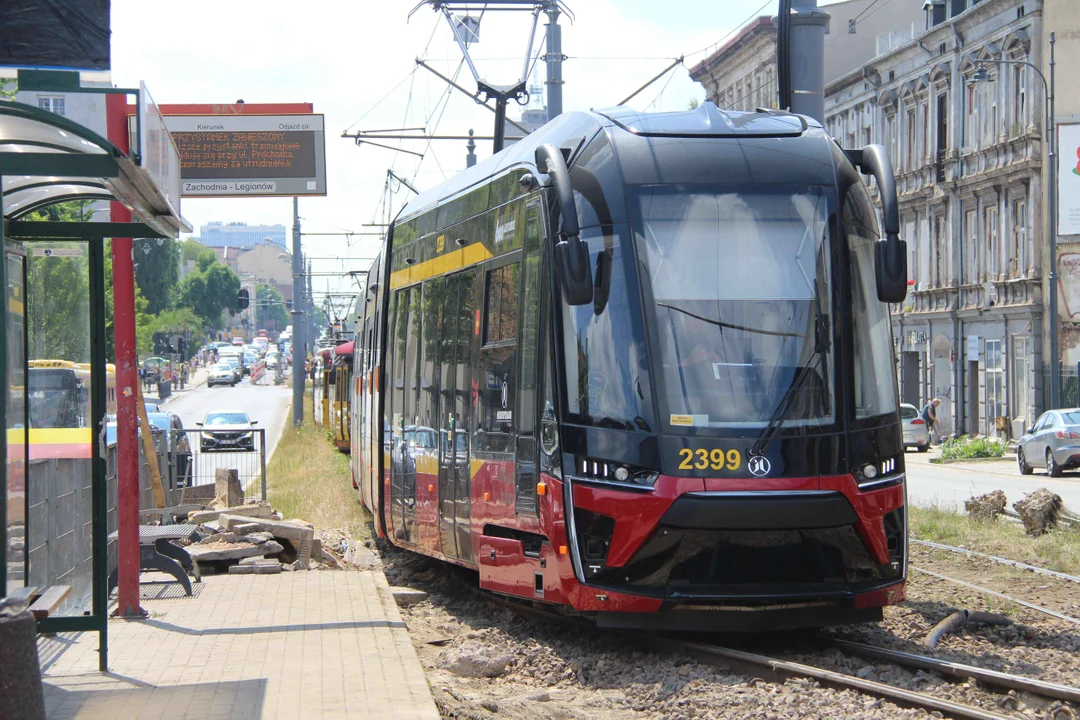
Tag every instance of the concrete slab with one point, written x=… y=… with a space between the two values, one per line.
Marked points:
x=238 y=649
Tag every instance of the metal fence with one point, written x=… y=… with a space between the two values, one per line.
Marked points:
x=201 y=453
x=1070 y=387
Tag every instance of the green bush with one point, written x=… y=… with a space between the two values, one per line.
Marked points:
x=965 y=447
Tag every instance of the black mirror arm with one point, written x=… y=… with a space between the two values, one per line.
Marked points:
x=892 y=258
x=571 y=254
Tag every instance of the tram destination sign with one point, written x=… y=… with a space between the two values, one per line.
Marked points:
x=250 y=155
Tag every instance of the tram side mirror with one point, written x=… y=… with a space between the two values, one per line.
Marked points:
x=571 y=255
x=890 y=254
x=890 y=269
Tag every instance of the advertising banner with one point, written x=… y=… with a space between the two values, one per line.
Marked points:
x=1069 y=179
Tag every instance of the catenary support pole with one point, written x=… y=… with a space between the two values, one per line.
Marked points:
x=554 y=58
x=297 y=320
x=127 y=378
x=807 y=53
x=1052 y=159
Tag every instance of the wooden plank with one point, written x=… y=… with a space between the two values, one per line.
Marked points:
x=49 y=600
x=148 y=447
x=23 y=593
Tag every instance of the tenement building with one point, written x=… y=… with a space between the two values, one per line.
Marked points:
x=963 y=122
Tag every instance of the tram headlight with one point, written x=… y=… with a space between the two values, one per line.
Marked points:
x=870 y=472
x=614 y=473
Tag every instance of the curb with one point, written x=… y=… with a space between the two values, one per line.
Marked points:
x=943 y=461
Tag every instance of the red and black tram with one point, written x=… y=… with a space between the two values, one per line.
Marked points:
x=641 y=366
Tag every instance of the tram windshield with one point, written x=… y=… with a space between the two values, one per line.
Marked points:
x=741 y=297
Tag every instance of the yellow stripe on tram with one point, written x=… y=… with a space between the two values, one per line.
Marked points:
x=451 y=261
x=51 y=436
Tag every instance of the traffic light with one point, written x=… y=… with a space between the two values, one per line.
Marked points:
x=243 y=299
x=181 y=346
x=161 y=343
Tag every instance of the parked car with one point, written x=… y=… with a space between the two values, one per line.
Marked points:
x=916 y=432
x=227 y=430
x=178 y=456
x=1052 y=443
x=221 y=374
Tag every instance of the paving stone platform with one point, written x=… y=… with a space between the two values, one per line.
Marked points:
x=316 y=644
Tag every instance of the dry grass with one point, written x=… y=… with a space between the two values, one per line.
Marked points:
x=309 y=479
x=1060 y=550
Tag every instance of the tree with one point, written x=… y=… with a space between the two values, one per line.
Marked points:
x=270 y=308
x=157 y=272
x=205 y=259
x=190 y=249
x=182 y=321
x=210 y=290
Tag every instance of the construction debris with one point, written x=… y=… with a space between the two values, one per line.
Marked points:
x=252 y=538
x=1039 y=512
x=986 y=507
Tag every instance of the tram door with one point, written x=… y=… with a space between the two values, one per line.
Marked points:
x=402 y=356
x=456 y=325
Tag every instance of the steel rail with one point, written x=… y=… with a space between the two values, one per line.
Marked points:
x=772 y=669
x=988 y=591
x=944 y=667
x=995 y=558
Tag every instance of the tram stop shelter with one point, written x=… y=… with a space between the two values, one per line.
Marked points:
x=57 y=506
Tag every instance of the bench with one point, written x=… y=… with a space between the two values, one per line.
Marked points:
x=156 y=552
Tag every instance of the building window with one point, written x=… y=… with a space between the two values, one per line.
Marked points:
x=990 y=102
x=943 y=122
x=924 y=139
x=993 y=249
x=1020 y=120
x=890 y=134
x=995 y=385
x=851 y=26
x=971 y=251
x=938 y=275
x=971 y=123
x=1018 y=263
x=909 y=150
x=54 y=104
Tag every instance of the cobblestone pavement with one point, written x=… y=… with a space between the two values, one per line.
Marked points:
x=316 y=644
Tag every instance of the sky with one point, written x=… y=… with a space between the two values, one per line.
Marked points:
x=355 y=61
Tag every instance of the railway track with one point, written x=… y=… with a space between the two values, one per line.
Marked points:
x=778 y=670
x=995 y=558
x=994 y=593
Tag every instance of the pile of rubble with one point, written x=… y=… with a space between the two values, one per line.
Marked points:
x=254 y=539
x=1040 y=511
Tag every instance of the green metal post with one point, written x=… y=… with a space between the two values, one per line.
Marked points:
x=99 y=502
x=5 y=388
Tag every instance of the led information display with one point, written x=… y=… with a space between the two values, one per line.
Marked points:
x=236 y=155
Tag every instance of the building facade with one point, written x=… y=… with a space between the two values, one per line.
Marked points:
x=741 y=74
x=241 y=235
x=963 y=121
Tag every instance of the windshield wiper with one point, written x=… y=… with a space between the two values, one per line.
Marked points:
x=821 y=344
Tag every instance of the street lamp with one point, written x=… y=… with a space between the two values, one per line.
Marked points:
x=1050 y=134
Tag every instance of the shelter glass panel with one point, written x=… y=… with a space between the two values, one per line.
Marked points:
x=59 y=470
x=15 y=432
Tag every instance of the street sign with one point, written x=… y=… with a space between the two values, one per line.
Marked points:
x=250 y=155
x=58 y=252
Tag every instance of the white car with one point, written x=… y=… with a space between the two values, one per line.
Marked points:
x=225 y=431
x=221 y=374
x=916 y=432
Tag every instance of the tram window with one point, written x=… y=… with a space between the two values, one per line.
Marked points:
x=430 y=351
x=607 y=380
x=875 y=383
x=412 y=366
x=530 y=324
x=501 y=304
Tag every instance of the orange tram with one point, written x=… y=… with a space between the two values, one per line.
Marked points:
x=640 y=367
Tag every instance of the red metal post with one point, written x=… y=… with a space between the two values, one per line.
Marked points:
x=127 y=378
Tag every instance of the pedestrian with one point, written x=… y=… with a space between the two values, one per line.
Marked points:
x=929 y=416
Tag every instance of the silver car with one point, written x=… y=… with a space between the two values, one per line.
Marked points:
x=1052 y=443
x=916 y=432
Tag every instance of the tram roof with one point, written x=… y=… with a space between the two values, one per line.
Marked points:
x=573 y=130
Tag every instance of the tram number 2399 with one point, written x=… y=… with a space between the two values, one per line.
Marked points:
x=715 y=459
